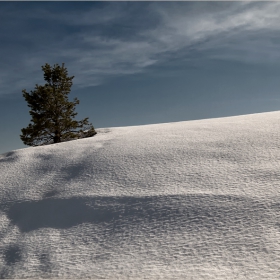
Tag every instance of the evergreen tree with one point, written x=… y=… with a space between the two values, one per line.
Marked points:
x=53 y=116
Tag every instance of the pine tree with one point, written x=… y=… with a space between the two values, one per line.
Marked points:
x=52 y=115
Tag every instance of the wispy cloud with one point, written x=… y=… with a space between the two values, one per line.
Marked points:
x=223 y=28
x=100 y=42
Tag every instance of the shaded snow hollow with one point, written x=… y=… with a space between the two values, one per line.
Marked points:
x=186 y=200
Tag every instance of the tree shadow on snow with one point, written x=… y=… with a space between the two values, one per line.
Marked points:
x=12 y=254
x=207 y=211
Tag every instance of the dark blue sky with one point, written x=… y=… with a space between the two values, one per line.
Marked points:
x=141 y=62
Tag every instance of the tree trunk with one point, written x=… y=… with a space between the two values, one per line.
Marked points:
x=56 y=138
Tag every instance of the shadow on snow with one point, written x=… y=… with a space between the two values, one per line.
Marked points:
x=206 y=211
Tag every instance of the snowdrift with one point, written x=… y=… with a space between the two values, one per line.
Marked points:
x=186 y=200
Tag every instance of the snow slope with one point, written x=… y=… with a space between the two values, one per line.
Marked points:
x=186 y=200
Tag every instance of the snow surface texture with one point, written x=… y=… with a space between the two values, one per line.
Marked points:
x=186 y=200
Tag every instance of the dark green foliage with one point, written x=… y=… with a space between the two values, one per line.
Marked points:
x=53 y=116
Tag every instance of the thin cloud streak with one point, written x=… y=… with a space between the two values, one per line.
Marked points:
x=179 y=31
x=94 y=57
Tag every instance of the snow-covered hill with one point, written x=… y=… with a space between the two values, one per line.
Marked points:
x=186 y=200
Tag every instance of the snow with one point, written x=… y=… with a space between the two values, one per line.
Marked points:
x=185 y=200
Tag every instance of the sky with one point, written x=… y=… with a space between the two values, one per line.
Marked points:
x=141 y=62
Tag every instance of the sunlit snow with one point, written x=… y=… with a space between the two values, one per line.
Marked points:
x=186 y=200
